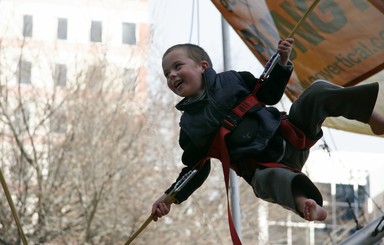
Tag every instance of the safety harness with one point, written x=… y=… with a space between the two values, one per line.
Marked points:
x=219 y=149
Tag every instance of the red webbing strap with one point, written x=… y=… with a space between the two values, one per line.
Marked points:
x=294 y=135
x=242 y=108
x=239 y=111
x=219 y=151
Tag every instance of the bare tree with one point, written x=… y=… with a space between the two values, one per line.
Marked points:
x=70 y=154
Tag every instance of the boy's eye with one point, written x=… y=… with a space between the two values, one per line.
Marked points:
x=177 y=66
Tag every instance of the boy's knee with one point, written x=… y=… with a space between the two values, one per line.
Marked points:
x=321 y=80
x=321 y=84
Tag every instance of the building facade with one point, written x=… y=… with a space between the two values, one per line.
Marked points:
x=70 y=71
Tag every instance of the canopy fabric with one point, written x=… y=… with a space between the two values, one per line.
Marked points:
x=340 y=41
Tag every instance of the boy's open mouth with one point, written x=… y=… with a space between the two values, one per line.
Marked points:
x=178 y=84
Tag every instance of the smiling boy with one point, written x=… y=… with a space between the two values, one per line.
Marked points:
x=257 y=139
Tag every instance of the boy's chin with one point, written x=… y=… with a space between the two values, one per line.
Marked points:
x=185 y=94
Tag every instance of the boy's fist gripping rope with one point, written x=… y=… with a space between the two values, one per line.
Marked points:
x=162 y=206
x=279 y=56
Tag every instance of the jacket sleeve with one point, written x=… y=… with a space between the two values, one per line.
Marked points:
x=273 y=89
x=191 y=156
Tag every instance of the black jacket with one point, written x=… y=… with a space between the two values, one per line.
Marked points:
x=201 y=120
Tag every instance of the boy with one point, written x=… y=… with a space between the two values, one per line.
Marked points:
x=257 y=138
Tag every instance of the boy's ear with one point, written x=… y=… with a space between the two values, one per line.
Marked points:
x=204 y=65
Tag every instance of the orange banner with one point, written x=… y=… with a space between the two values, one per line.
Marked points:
x=340 y=41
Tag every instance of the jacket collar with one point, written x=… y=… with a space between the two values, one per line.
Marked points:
x=188 y=103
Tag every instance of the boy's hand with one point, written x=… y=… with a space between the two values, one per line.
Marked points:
x=160 y=208
x=284 y=49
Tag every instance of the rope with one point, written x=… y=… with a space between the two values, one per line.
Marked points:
x=13 y=209
x=276 y=58
x=168 y=200
x=313 y=5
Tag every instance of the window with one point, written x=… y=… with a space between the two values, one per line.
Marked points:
x=95 y=77
x=345 y=203
x=344 y=193
x=24 y=73
x=60 y=75
x=59 y=121
x=96 y=31
x=27 y=26
x=129 y=80
x=21 y=117
x=129 y=33
x=62 y=27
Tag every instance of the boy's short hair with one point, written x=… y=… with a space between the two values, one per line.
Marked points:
x=195 y=52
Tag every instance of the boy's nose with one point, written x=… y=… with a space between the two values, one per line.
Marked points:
x=172 y=74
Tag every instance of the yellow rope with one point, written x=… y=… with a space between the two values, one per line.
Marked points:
x=168 y=199
x=313 y=5
x=276 y=59
x=13 y=209
x=147 y=221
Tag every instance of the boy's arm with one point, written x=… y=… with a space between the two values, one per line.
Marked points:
x=161 y=207
x=196 y=181
x=284 y=49
x=191 y=155
x=273 y=89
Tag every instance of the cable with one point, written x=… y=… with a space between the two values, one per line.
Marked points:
x=358 y=226
x=325 y=147
x=192 y=21
x=198 y=21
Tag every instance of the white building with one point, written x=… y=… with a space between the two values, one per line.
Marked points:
x=61 y=37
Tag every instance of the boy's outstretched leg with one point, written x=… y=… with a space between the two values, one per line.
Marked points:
x=323 y=99
x=310 y=209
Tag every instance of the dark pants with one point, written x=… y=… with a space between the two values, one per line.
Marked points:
x=319 y=101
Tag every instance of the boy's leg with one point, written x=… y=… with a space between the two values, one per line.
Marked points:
x=283 y=187
x=377 y=123
x=377 y=119
x=323 y=99
x=310 y=209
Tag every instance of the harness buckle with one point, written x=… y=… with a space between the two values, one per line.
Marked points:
x=230 y=122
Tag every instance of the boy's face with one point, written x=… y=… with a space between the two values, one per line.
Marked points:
x=184 y=75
